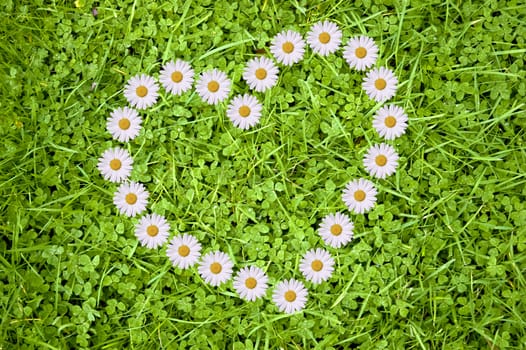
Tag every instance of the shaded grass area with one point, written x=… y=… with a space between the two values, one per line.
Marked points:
x=439 y=262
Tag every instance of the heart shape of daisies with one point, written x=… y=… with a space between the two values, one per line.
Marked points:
x=245 y=111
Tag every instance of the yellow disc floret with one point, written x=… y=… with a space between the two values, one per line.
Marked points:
x=141 y=91
x=287 y=47
x=216 y=268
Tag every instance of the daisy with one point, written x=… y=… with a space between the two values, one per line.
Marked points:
x=251 y=283
x=381 y=160
x=152 y=230
x=177 y=77
x=213 y=86
x=260 y=74
x=324 y=38
x=359 y=195
x=131 y=198
x=290 y=296
x=124 y=124
x=184 y=251
x=215 y=268
x=115 y=164
x=380 y=84
x=390 y=122
x=361 y=52
x=336 y=230
x=244 y=111
x=288 y=47
x=317 y=265
x=141 y=91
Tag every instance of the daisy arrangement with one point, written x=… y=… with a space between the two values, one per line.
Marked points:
x=245 y=111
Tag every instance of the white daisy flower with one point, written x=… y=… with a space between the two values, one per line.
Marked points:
x=260 y=74
x=361 y=53
x=359 y=195
x=290 y=296
x=177 y=77
x=184 y=251
x=381 y=160
x=215 y=268
x=336 y=230
x=380 y=84
x=288 y=47
x=131 y=198
x=124 y=124
x=324 y=38
x=244 y=111
x=115 y=164
x=152 y=230
x=390 y=122
x=213 y=86
x=141 y=91
x=317 y=265
x=251 y=283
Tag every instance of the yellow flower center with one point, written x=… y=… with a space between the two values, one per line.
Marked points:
x=177 y=76
x=131 y=198
x=316 y=265
x=287 y=47
x=324 y=37
x=390 y=121
x=244 y=111
x=124 y=123
x=359 y=195
x=360 y=52
x=261 y=73
x=380 y=84
x=183 y=250
x=380 y=160
x=251 y=283
x=336 y=229
x=290 y=296
x=152 y=230
x=141 y=91
x=215 y=268
x=115 y=164
x=213 y=86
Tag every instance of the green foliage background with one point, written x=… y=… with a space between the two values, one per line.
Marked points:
x=439 y=262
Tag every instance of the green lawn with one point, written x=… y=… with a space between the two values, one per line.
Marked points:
x=438 y=263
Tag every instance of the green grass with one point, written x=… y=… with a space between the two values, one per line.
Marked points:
x=439 y=263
